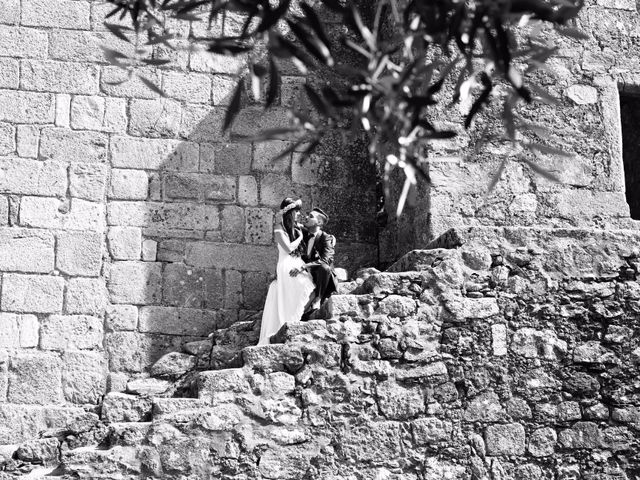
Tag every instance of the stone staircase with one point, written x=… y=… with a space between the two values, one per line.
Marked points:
x=468 y=363
x=246 y=406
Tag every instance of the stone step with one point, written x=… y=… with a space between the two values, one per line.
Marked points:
x=289 y=331
x=128 y=433
x=216 y=386
x=419 y=260
x=274 y=358
x=348 y=305
x=400 y=283
x=167 y=406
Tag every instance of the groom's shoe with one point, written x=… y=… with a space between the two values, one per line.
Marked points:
x=309 y=315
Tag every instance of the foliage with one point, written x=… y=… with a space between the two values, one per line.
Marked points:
x=410 y=52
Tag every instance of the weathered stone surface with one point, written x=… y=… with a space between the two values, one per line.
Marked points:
x=88 y=181
x=79 y=253
x=148 y=386
x=582 y=94
x=86 y=295
x=484 y=408
x=84 y=376
x=173 y=364
x=62 y=332
x=398 y=403
x=26 y=250
x=18 y=331
x=120 y=407
x=32 y=177
x=52 y=213
x=542 y=442
x=58 y=14
x=44 y=451
x=98 y=113
x=36 y=378
x=507 y=439
x=28 y=107
x=125 y=243
x=152 y=154
x=531 y=343
x=136 y=283
x=580 y=435
x=121 y=317
x=32 y=293
x=62 y=77
x=176 y=321
x=128 y=184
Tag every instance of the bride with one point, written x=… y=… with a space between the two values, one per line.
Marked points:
x=287 y=295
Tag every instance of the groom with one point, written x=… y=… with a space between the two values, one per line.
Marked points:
x=317 y=249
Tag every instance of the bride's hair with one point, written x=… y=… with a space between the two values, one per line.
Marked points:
x=287 y=217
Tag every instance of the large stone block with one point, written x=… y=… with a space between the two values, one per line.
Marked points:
x=27 y=107
x=265 y=153
x=61 y=77
x=152 y=154
x=79 y=253
x=22 y=42
x=507 y=439
x=88 y=180
x=259 y=225
x=10 y=73
x=86 y=296
x=247 y=190
x=28 y=140
x=84 y=46
x=232 y=224
x=56 y=14
x=26 y=250
x=183 y=286
x=99 y=113
x=136 y=283
x=399 y=403
x=73 y=146
x=10 y=13
x=84 y=377
x=35 y=377
x=125 y=243
x=121 y=407
x=189 y=87
x=154 y=118
x=253 y=258
x=4 y=211
x=129 y=184
x=162 y=217
x=225 y=158
x=254 y=289
x=111 y=78
x=133 y=352
x=32 y=293
x=32 y=177
x=204 y=61
x=202 y=123
x=232 y=289
x=18 y=331
x=53 y=213
x=121 y=317
x=73 y=332
x=176 y=321
x=274 y=187
x=532 y=343
x=7 y=138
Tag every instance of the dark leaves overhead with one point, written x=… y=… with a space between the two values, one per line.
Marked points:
x=394 y=69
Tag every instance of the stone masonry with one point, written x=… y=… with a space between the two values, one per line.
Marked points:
x=514 y=357
x=129 y=224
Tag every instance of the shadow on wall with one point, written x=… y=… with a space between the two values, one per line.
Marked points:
x=202 y=206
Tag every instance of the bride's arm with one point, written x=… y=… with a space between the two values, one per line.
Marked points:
x=283 y=240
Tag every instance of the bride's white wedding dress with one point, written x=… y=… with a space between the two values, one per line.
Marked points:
x=287 y=295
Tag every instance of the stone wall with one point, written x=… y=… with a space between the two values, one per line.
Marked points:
x=586 y=77
x=515 y=357
x=129 y=224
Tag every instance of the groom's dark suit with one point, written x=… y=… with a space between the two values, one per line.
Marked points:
x=321 y=259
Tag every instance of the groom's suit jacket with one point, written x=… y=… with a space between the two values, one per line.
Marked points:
x=321 y=253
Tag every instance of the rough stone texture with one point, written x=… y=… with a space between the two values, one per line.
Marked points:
x=79 y=253
x=31 y=293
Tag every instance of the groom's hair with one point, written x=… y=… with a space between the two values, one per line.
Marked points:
x=324 y=216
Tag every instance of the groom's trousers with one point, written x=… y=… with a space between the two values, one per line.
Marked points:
x=323 y=279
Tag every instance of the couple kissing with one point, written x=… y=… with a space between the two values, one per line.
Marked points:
x=304 y=272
